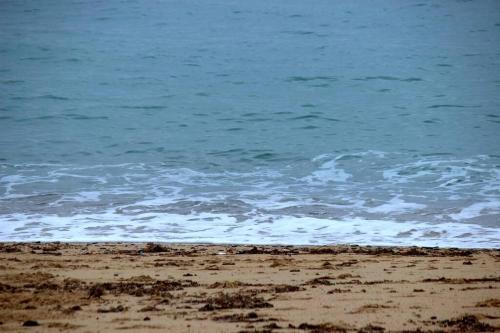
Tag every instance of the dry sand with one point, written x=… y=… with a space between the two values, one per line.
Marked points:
x=120 y=287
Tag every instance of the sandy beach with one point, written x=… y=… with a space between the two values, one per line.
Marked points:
x=120 y=287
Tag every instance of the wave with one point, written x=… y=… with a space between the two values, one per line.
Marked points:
x=264 y=229
x=431 y=190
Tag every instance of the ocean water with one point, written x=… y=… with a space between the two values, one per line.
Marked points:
x=291 y=122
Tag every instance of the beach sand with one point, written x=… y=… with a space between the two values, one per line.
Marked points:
x=125 y=287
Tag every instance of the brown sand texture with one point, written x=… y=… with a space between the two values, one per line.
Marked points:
x=125 y=287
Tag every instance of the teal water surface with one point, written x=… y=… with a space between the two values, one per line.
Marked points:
x=265 y=121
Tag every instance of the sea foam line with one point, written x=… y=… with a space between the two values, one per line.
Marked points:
x=262 y=229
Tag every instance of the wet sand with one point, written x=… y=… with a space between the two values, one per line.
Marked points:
x=125 y=287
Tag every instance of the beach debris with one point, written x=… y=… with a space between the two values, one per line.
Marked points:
x=389 y=250
x=253 y=250
x=155 y=248
x=467 y=323
x=493 y=302
x=272 y=326
x=8 y=288
x=149 y=308
x=347 y=276
x=119 y=308
x=7 y=248
x=347 y=263
x=371 y=329
x=326 y=265
x=229 y=284
x=323 y=280
x=370 y=308
x=96 y=291
x=72 y=309
x=269 y=250
x=286 y=288
x=234 y=301
x=462 y=280
x=212 y=268
x=140 y=287
x=256 y=330
x=338 y=291
x=30 y=323
x=323 y=328
x=240 y=317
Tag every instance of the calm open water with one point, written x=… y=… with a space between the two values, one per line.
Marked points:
x=300 y=122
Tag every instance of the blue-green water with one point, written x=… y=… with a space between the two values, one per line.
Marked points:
x=251 y=121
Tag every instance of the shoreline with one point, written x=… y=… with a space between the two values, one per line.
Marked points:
x=191 y=287
x=339 y=247
x=263 y=244
x=286 y=230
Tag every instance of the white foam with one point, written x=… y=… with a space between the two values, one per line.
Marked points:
x=86 y=196
x=476 y=210
x=10 y=181
x=395 y=205
x=260 y=229
x=328 y=172
x=339 y=186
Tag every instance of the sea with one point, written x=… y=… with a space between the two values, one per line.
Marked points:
x=251 y=122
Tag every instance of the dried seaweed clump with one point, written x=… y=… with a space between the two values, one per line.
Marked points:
x=228 y=284
x=323 y=280
x=371 y=329
x=234 y=301
x=154 y=248
x=158 y=288
x=493 y=302
x=467 y=323
x=323 y=328
x=286 y=288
